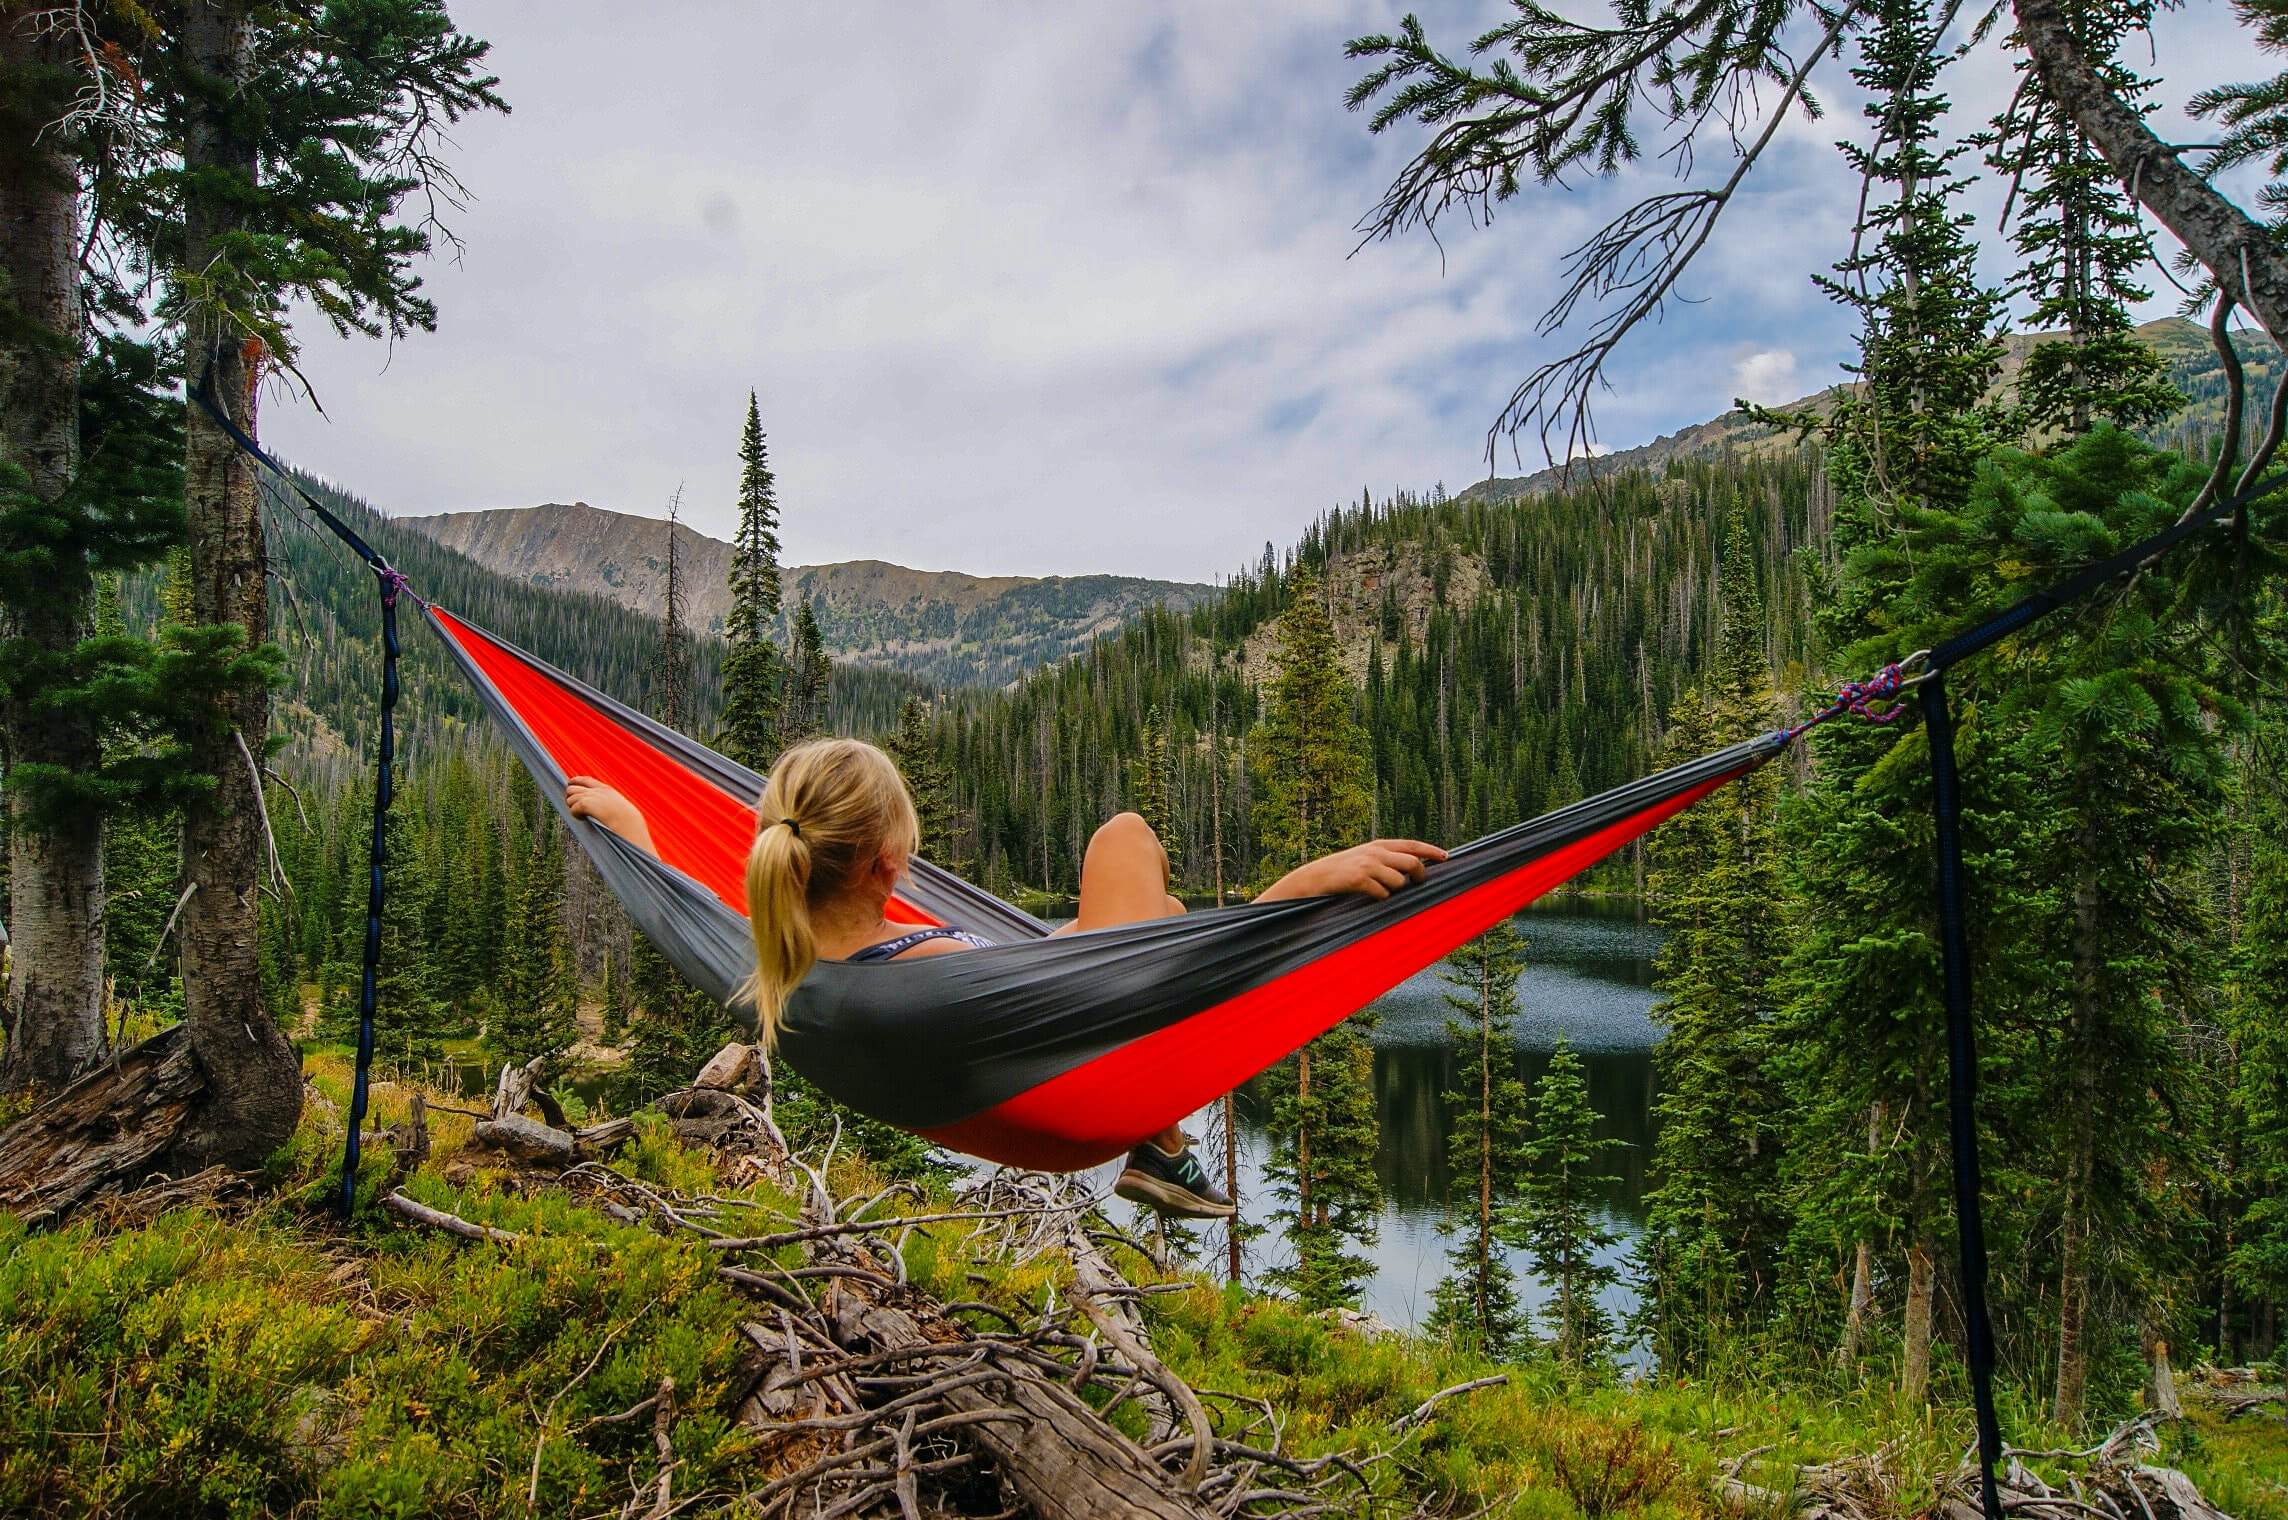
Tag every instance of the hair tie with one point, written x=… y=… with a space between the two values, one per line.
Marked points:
x=793 y=827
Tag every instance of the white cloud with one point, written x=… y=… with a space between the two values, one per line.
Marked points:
x=1029 y=289
x=1767 y=376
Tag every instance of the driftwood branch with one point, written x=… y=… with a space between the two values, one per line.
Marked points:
x=437 y=1219
x=1421 y=1411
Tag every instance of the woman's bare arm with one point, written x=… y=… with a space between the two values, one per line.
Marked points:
x=586 y=797
x=1374 y=869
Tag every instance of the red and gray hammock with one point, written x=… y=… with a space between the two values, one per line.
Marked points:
x=1062 y=1052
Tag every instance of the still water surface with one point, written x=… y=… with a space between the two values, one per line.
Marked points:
x=1589 y=978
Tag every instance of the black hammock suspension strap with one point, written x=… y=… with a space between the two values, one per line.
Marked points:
x=390 y=584
x=1858 y=698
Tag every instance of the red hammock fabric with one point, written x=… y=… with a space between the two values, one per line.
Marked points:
x=700 y=829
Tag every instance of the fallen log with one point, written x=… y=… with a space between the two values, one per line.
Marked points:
x=452 y=1224
x=105 y=1133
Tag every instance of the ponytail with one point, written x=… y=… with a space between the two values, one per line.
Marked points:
x=830 y=809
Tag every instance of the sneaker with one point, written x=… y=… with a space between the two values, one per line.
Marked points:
x=1175 y=1185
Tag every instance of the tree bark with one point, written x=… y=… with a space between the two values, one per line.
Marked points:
x=1862 y=1267
x=55 y=997
x=1914 y=1358
x=254 y=1080
x=107 y=1131
x=2227 y=241
x=2084 y=1015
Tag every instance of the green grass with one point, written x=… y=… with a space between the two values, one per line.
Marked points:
x=279 y=1362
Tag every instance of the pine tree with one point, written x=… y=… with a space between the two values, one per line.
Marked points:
x=1558 y=1212
x=1714 y=1224
x=294 y=170
x=2258 y=1236
x=533 y=1007
x=673 y=668
x=2081 y=247
x=753 y=677
x=1487 y=1148
x=1314 y=792
x=1151 y=783
x=1324 y=1140
x=927 y=781
x=809 y=669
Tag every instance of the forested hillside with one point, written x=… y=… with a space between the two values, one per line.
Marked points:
x=2188 y=358
x=1510 y=656
x=329 y=627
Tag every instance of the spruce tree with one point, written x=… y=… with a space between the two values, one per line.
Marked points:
x=1558 y=1212
x=303 y=135
x=1313 y=795
x=1487 y=1147
x=1324 y=1139
x=753 y=675
x=2258 y=1233
x=1714 y=1224
x=1151 y=783
x=533 y=1007
x=928 y=781
x=809 y=669
x=1313 y=787
x=2081 y=247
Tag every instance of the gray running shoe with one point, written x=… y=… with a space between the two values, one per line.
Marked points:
x=1176 y=1185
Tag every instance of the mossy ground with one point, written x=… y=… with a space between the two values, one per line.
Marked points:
x=270 y=1360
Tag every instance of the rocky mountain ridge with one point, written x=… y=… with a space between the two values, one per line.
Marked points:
x=944 y=626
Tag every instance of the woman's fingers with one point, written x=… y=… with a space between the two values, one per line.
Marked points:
x=1388 y=875
x=1414 y=847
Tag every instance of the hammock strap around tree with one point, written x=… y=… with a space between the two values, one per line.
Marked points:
x=389 y=584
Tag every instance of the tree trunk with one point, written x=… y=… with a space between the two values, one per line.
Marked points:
x=1303 y=1137
x=1862 y=1267
x=1231 y=1184
x=1485 y=1141
x=2085 y=1011
x=55 y=998
x=1914 y=1357
x=2224 y=238
x=1862 y=1298
x=254 y=1079
x=110 y=1129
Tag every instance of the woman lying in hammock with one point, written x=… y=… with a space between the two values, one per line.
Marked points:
x=837 y=829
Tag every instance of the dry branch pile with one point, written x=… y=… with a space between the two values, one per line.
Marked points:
x=2108 y=1481
x=872 y=1398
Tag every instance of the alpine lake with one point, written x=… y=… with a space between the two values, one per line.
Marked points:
x=1588 y=978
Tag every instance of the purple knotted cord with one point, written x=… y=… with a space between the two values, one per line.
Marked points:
x=1858 y=698
x=391 y=584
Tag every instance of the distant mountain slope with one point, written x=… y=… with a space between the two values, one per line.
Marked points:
x=324 y=618
x=946 y=627
x=2184 y=345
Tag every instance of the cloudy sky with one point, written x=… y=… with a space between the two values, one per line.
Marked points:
x=1026 y=288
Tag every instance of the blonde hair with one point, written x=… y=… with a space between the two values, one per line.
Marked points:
x=829 y=811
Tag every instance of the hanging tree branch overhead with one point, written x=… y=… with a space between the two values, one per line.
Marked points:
x=1561 y=96
x=1576 y=98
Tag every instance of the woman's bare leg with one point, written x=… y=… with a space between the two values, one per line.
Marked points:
x=1124 y=880
x=1124 y=876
